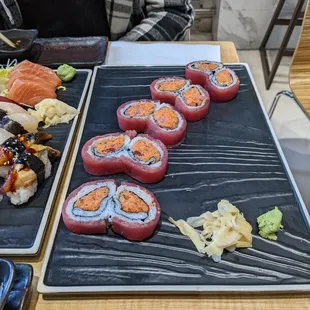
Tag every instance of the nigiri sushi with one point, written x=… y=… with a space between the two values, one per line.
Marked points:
x=12 y=126
x=7 y=108
x=4 y=135
x=30 y=169
x=29 y=122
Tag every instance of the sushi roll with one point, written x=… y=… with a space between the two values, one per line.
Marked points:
x=223 y=85
x=193 y=102
x=12 y=126
x=146 y=159
x=135 y=213
x=101 y=154
x=198 y=70
x=167 y=125
x=166 y=89
x=132 y=115
x=86 y=210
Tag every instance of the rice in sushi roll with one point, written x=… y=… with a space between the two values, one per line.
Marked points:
x=197 y=71
x=132 y=115
x=193 y=102
x=146 y=159
x=166 y=89
x=223 y=85
x=101 y=154
x=135 y=213
x=167 y=125
x=88 y=207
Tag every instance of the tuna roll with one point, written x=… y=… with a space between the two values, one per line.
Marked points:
x=87 y=208
x=101 y=154
x=132 y=115
x=167 y=125
x=135 y=213
x=166 y=89
x=198 y=70
x=193 y=102
x=146 y=160
x=223 y=85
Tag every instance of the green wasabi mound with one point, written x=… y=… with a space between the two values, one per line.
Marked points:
x=269 y=224
x=66 y=73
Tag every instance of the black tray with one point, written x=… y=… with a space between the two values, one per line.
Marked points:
x=232 y=154
x=82 y=53
x=22 y=227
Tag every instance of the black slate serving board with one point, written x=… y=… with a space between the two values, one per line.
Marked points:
x=230 y=155
x=22 y=227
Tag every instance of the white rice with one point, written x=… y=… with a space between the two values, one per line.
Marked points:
x=141 y=217
x=148 y=163
x=127 y=106
x=91 y=150
x=180 y=123
x=22 y=195
x=105 y=205
x=184 y=101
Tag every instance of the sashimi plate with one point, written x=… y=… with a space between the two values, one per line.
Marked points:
x=23 y=227
x=232 y=154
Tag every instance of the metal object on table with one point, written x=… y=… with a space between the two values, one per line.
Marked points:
x=296 y=20
x=277 y=98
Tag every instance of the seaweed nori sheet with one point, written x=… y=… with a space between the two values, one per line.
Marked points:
x=229 y=155
x=19 y=225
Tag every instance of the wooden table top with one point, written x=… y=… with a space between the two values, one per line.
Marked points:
x=167 y=302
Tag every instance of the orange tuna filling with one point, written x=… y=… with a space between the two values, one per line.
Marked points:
x=145 y=151
x=207 y=66
x=132 y=203
x=140 y=109
x=224 y=78
x=193 y=97
x=109 y=145
x=173 y=85
x=166 y=118
x=91 y=201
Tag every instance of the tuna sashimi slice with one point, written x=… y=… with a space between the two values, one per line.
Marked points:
x=29 y=92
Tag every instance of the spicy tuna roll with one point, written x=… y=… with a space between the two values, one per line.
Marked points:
x=101 y=154
x=165 y=89
x=223 y=85
x=87 y=208
x=136 y=212
x=132 y=115
x=167 y=125
x=146 y=159
x=198 y=70
x=193 y=102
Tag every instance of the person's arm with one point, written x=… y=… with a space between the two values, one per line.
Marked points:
x=166 y=20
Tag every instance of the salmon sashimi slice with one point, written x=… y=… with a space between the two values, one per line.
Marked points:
x=30 y=92
x=33 y=71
